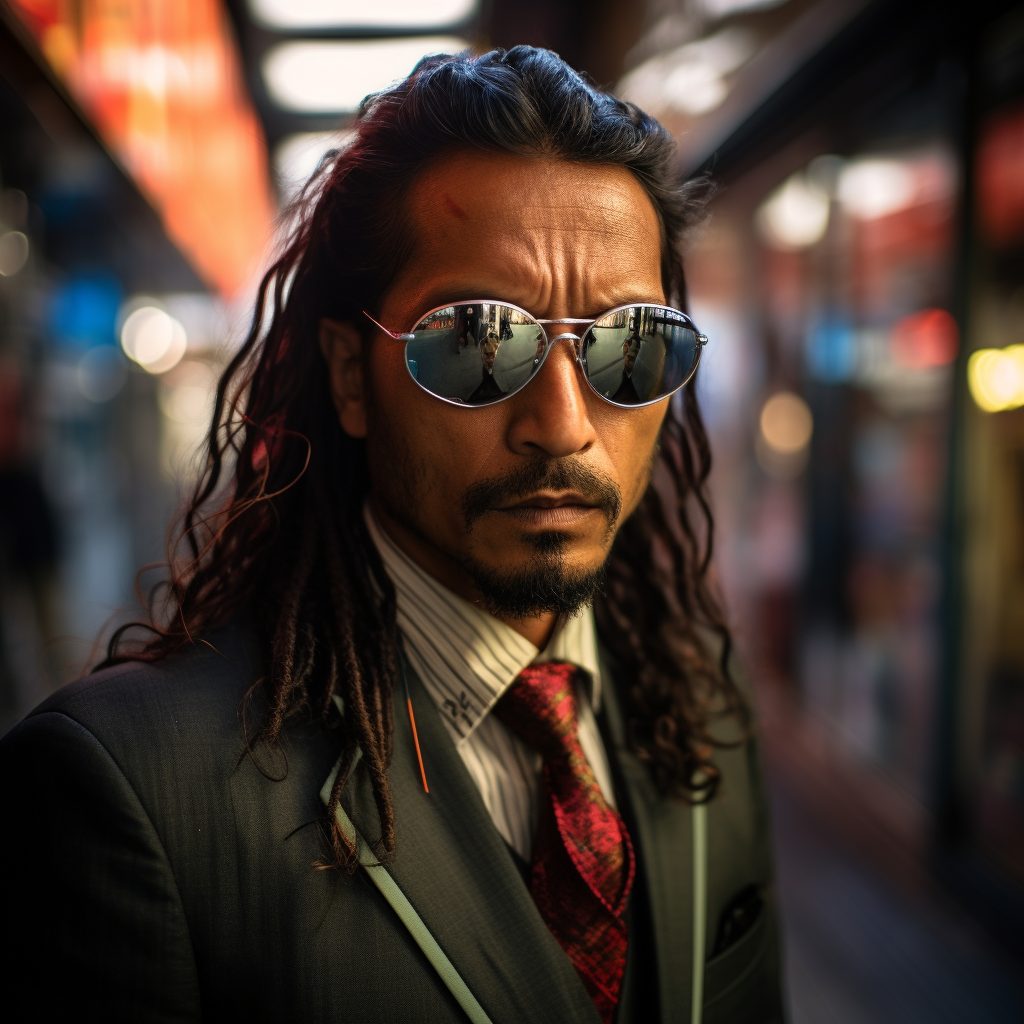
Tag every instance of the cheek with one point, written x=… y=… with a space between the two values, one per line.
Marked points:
x=441 y=447
x=630 y=437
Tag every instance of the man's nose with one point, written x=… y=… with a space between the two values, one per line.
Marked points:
x=550 y=415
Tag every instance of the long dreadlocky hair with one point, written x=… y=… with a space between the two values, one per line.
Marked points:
x=274 y=530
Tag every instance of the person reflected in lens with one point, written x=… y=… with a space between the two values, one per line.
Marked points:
x=627 y=393
x=489 y=351
x=489 y=388
x=506 y=330
x=466 y=333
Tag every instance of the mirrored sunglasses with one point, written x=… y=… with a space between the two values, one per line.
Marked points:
x=480 y=352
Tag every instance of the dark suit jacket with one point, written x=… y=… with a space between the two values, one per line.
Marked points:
x=153 y=871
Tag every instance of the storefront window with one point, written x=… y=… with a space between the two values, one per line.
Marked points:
x=826 y=286
x=991 y=695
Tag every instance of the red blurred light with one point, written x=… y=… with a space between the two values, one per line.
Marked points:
x=928 y=338
x=1000 y=167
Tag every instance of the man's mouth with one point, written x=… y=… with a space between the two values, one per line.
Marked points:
x=545 y=495
x=551 y=511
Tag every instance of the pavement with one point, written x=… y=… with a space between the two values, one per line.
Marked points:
x=860 y=950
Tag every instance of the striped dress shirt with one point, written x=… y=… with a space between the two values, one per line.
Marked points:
x=467 y=659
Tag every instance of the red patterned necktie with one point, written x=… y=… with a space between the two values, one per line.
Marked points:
x=583 y=861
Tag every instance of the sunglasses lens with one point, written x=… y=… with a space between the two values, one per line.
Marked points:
x=475 y=353
x=639 y=354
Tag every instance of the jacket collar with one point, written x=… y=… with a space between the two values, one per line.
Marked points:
x=663 y=832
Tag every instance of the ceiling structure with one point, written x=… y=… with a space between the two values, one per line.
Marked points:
x=703 y=67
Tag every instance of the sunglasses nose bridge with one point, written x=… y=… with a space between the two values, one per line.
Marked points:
x=575 y=339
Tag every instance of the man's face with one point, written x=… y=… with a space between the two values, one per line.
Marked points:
x=515 y=504
x=630 y=350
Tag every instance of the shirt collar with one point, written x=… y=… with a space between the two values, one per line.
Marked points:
x=465 y=657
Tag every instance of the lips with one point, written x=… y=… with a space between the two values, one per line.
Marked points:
x=544 y=491
x=545 y=501
x=550 y=512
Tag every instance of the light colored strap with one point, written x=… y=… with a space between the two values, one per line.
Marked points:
x=406 y=912
x=700 y=906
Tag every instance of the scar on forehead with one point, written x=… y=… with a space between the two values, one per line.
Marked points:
x=453 y=207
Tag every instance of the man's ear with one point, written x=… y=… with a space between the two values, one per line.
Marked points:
x=342 y=346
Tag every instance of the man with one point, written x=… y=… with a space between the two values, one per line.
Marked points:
x=489 y=388
x=376 y=761
x=630 y=350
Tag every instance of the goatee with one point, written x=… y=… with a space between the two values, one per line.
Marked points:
x=546 y=584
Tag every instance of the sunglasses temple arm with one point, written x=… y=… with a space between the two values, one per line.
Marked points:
x=397 y=337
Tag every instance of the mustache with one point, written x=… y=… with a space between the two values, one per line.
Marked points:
x=543 y=475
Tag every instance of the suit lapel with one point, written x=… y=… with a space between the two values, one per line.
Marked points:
x=453 y=868
x=663 y=833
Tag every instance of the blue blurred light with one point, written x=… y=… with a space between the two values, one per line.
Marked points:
x=83 y=311
x=832 y=351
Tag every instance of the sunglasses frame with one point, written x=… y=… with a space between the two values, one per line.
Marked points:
x=577 y=340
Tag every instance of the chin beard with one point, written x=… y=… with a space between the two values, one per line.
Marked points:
x=544 y=584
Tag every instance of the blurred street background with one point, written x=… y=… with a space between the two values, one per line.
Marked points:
x=861 y=278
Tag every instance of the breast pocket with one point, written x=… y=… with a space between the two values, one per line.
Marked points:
x=741 y=985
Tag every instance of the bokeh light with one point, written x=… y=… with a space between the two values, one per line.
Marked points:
x=795 y=215
x=347 y=14
x=928 y=338
x=996 y=378
x=297 y=156
x=690 y=79
x=13 y=252
x=101 y=373
x=873 y=188
x=333 y=76
x=153 y=339
x=188 y=398
x=786 y=423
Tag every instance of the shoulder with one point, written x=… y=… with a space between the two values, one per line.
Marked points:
x=180 y=711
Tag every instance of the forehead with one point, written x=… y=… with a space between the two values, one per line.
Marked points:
x=537 y=222
x=511 y=190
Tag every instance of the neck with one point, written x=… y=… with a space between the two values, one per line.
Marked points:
x=449 y=573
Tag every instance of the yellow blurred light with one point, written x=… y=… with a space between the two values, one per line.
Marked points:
x=786 y=423
x=996 y=378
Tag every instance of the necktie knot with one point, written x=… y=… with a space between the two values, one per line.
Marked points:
x=540 y=708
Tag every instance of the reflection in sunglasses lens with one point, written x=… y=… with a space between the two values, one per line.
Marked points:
x=479 y=353
x=638 y=354
x=475 y=354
